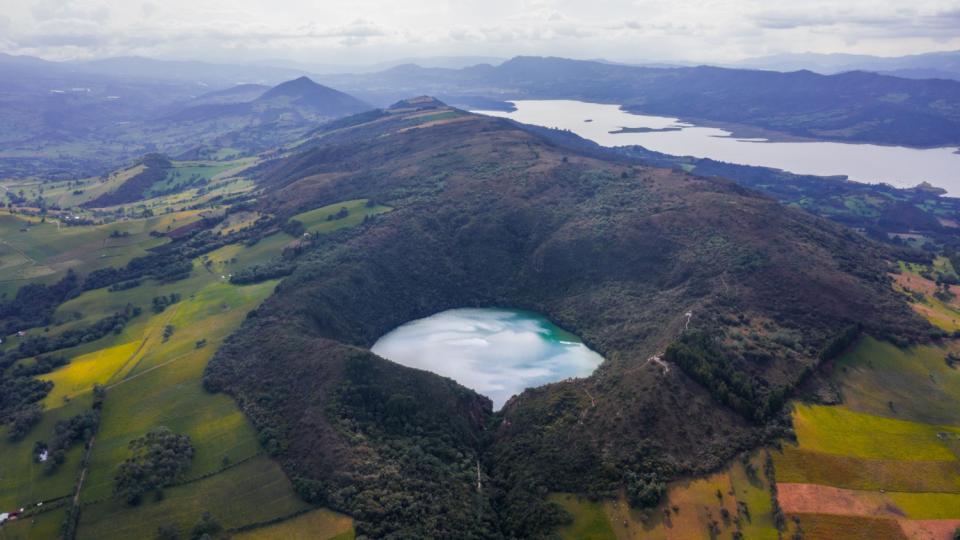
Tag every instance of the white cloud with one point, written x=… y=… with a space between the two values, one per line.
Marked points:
x=373 y=30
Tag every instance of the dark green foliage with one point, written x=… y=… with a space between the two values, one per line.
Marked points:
x=206 y=527
x=168 y=532
x=644 y=490
x=956 y=534
x=35 y=303
x=256 y=273
x=17 y=394
x=22 y=421
x=341 y=214
x=124 y=285
x=35 y=345
x=488 y=215
x=43 y=364
x=698 y=354
x=841 y=342
x=156 y=460
x=134 y=189
x=312 y=491
x=160 y=303
x=168 y=332
x=885 y=210
x=294 y=228
x=66 y=433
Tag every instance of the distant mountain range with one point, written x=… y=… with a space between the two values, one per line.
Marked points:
x=850 y=107
x=80 y=118
x=941 y=65
x=59 y=123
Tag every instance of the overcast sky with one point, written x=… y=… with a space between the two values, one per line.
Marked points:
x=367 y=31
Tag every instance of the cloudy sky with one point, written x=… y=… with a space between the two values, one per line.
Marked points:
x=367 y=31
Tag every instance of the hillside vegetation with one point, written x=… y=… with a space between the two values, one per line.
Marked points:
x=486 y=214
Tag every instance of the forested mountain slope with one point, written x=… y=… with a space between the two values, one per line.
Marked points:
x=737 y=297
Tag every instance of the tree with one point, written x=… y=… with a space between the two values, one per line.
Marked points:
x=206 y=527
x=156 y=460
x=168 y=532
x=644 y=490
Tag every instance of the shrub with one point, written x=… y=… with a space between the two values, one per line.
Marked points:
x=157 y=459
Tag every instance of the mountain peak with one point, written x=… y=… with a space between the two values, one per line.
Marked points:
x=419 y=103
x=304 y=92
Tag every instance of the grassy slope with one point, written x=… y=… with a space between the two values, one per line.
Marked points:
x=315 y=221
x=47 y=250
x=696 y=505
x=320 y=524
x=254 y=491
x=155 y=382
x=895 y=441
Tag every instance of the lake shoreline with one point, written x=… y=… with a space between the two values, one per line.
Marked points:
x=613 y=125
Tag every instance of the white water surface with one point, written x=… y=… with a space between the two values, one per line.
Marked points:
x=867 y=163
x=496 y=352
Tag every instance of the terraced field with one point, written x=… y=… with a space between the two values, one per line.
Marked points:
x=886 y=463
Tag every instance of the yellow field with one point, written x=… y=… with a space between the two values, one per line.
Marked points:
x=803 y=466
x=884 y=464
x=83 y=372
x=837 y=430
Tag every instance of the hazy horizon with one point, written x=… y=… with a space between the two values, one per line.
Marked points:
x=372 y=31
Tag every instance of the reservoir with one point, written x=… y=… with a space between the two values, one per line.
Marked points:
x=496 y=352
x=866 y=163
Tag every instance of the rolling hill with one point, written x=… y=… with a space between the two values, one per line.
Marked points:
x=486 y=214
x=767 y=372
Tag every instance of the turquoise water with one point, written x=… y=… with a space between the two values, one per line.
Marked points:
x=496 y=352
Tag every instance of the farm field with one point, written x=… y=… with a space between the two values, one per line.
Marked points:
x=319 y=524
x=692 y=509
x=31 y=251
x=152 y=371
x=940 y=307
x=252 y=492
x=880 y=379
x=885 y=463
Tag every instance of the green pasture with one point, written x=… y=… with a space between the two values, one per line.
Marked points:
x=252 y=492
x=913 y=384
x=319 y=524
x=317 y=220
x=841 y=431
